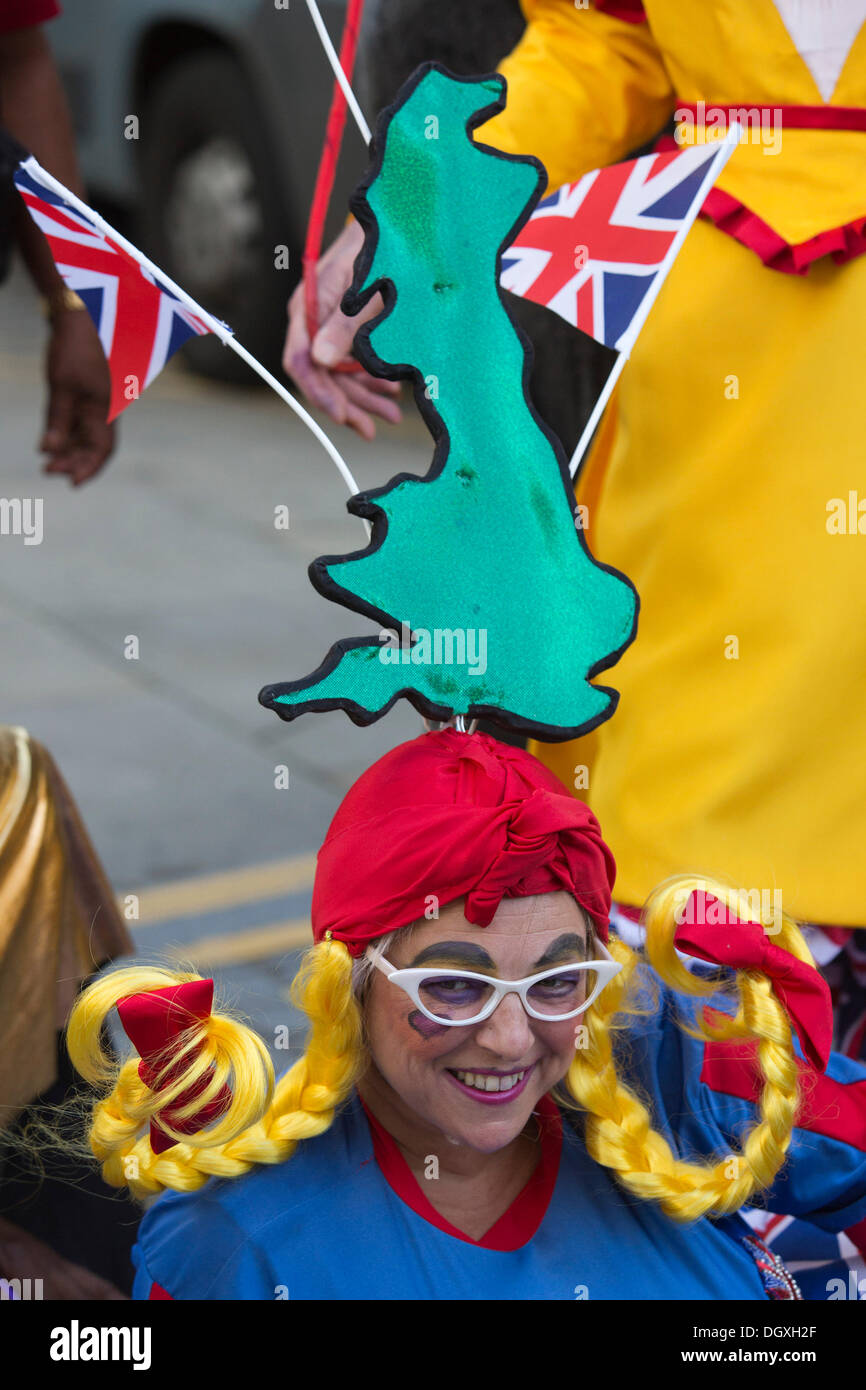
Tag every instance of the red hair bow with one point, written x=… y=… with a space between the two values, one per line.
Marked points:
x=711 y=931
x=153 y=1021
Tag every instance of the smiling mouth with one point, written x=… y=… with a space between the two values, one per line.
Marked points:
x=491 y=1083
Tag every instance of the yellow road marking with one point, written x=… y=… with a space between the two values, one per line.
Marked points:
x=256 y=944
x=211 y=892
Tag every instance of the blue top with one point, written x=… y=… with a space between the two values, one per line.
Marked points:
x=327 y=1225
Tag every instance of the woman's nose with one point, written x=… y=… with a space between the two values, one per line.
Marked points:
x=507 y=1031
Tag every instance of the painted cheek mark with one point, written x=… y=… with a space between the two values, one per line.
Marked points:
x=425 y=1026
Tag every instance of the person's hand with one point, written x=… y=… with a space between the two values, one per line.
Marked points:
x=76 y=439
x=22 y=1256
x=350 y=398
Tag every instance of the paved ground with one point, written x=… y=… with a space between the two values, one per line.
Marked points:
x=170 y=756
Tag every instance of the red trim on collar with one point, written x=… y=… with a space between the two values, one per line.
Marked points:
x=516 y=1226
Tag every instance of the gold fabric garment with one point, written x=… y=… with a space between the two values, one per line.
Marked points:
x=58 y=918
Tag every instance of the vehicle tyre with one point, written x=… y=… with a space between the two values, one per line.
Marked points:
x=213 y=212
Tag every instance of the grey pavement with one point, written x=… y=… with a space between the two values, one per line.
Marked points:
x=170 y=757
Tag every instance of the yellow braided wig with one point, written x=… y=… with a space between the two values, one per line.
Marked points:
x=265 y=1121
x=618 y=1126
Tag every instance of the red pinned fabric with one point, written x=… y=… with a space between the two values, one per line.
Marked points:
x=629 y=11
x=453 y=815
x=712 y=932
x=836 y=1109
x=154 y=1020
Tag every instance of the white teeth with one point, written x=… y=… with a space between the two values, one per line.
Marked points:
x=489 y=1083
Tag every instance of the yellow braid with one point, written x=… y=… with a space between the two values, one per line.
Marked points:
x=263 y=1124
x=618 y=1127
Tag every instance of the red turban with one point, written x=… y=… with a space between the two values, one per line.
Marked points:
x=453 y=815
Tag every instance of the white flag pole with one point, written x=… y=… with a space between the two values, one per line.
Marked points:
x=719 y=160
x=217 y=327
x=597 y=410
x=338 y=72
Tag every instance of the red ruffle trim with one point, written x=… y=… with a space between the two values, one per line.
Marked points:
x=730 y=215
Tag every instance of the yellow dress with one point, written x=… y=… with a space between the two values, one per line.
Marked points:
x=727 y=476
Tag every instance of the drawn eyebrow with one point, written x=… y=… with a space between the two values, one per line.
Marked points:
x=461 y=954
x=464 y=955
x=563 y=950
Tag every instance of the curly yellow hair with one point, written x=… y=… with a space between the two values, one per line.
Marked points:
x=265 y=1122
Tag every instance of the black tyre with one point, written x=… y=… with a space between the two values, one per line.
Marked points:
x=213 y=212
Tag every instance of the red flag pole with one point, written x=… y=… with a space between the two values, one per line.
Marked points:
x=341 y=99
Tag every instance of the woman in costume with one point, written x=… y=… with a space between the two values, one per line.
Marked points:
x=729 y=454
x=497 y=1098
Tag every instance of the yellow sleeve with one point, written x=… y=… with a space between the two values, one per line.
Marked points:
x=584 y=89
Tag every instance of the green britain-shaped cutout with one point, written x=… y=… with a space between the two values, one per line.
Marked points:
x=480 y=560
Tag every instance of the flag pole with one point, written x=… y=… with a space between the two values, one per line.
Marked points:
x=717 y=163
x=217 y=327
x=337 y=69
x=597 y=411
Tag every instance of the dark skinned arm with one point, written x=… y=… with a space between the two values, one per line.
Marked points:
x=76 y=439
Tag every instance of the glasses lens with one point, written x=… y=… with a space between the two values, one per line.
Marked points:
x=452 y=997
x=561 y=994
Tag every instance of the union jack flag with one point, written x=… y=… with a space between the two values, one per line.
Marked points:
x=592 y=251
x=139 y=320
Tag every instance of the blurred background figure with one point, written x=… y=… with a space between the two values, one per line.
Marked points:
x=58 y=919
x=58 y=926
